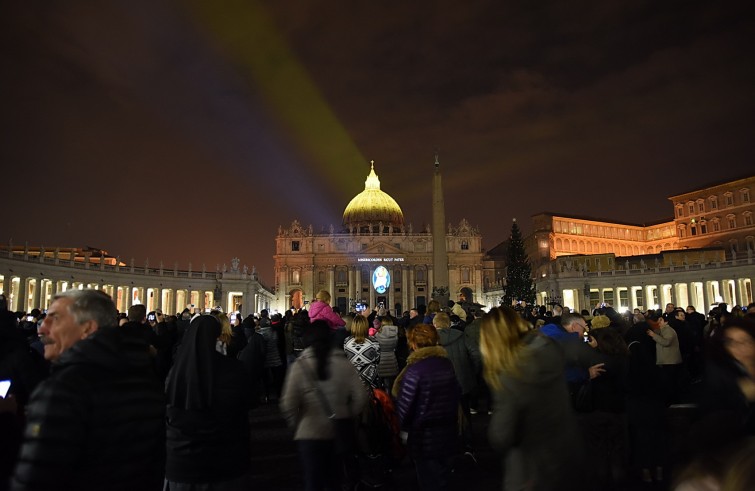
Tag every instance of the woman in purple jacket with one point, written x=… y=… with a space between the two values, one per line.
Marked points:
x=428 y=406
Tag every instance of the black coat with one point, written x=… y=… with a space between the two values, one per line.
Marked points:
x=208 y=397
x=98 y=422
x=212 y=445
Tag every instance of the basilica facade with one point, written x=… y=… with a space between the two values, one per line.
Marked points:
x=374 y=258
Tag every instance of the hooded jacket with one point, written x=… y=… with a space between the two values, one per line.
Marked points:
x=321 y=311
x=387 y=338
x=98 y=422
x=463 y=356
x=532 y=424
x=303 y=407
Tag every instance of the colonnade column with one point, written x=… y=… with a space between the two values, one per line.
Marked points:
x=35 y=297
x=128 y=297
x=23 y=297
x=706 y=297
x=332 y=282
x=692 y=296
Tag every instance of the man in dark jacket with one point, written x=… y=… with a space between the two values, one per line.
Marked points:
x=98 y=421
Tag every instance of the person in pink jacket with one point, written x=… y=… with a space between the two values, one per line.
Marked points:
x=320 y=310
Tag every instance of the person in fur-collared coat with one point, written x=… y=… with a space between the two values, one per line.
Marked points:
x=427 y=402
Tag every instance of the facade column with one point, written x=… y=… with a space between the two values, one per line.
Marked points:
x=430 y=283
x=391 y=302
x=405 y=288
x=351 y=283
x=412 y=293
x=358 y=283
x=332 y=282
x=372 y=296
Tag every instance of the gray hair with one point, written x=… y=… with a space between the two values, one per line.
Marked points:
x=91 y=305
x=568 y=319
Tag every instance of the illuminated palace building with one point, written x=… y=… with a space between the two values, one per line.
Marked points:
x=374 y=258
x=701 y=257
x=30 y=277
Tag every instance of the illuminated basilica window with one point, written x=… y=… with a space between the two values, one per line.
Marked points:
x=295 y=277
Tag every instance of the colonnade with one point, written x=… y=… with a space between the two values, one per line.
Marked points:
x=32 y=282
x=701 y=286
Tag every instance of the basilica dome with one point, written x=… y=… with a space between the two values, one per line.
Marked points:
x=372 y=208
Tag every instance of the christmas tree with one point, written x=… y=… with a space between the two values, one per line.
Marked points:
x=519 y=285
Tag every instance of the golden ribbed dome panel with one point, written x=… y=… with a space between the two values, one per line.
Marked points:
x=373 y=206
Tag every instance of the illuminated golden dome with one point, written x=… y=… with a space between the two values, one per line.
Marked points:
x=372 y=207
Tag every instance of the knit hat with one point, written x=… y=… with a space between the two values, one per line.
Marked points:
x=600 y=321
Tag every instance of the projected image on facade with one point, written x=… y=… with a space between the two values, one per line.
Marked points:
x=381 y=279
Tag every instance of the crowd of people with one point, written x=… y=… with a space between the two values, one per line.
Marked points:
x=592 y=400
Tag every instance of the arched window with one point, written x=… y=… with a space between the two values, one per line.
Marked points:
x=744 y=195
x=731 y=221
x=729 y=198
x=713 y=202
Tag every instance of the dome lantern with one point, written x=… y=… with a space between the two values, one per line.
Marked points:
x=372 y=209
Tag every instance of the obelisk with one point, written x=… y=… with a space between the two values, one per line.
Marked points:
x=440 y=256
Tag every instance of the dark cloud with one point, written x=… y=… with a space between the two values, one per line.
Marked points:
x=132 y=127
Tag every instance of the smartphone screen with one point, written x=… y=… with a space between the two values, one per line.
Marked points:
x=4 y=388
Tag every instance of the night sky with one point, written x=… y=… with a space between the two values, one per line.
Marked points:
x=189 y=130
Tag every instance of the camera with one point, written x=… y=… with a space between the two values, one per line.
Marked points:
x=151 y=317
x=586 y=337
x=233 y=317
x=29 y=318
x=360 y=307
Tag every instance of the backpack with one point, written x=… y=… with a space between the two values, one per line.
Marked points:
x=378 y=427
